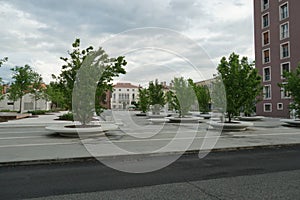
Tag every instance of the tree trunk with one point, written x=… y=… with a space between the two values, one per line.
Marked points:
x=35 y=103
x=21 y=104
x=229 y=117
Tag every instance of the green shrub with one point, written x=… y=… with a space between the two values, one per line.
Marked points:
x=5 y=110
x=67 y=116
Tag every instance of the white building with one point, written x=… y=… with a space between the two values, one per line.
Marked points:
x=28 y=104
x=124 y=96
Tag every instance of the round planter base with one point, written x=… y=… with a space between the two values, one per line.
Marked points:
x=141 y=114
x=157 y=116
x=254 y=118
x=291 y=122
x=86 y=131
x=159 y=120
x=184 y=119
x=233 y=126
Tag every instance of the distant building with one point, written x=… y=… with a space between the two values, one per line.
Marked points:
x=28 y=102
x=277 y=49
x=124 y=96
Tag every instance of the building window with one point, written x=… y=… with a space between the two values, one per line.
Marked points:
x=114 y=96
x=284 y=11
x=10 y=103
x=279 y=106
x=267 y=74
x=267 y=107
x=265 y=20
x=133 y=90
x=264 y=4
x=285 y=50
x=285 y=67
x=284 y=31
x=267 y=92
x=127 y=90
x=284 y=93
x=266 y=38
x=266 y=56
x=120 y=90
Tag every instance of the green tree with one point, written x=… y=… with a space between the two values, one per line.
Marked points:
x=242 y=84
x=292 y=85
x=3 y=60
x=172 y=101
x=37 y=88
x=185 y=95
x=68 y=73
x=156 y=96
x=95 y=73
x=203 y=96
x=143 y=103
x=54 y=93
x=23 y=78
x=112 y=67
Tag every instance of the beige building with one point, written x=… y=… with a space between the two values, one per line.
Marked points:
x=124 y=96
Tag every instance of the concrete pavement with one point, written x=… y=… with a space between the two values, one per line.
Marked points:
x=26 y=141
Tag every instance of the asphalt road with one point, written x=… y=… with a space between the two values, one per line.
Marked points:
x=245 y=174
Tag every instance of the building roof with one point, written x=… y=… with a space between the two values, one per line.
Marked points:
x=125 y=85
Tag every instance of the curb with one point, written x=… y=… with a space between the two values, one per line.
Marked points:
x=29 y=125
x=93 y=159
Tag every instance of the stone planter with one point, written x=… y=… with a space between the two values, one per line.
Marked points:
x=78 y=130
x=162 y=115
x=184 y=119
x=251 y=118
x=141 y=114
x=205 y=116
x=291 y=122
x=232 y=126
x=158 y=120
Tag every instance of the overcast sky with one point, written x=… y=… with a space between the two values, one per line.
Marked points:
x=189 y=34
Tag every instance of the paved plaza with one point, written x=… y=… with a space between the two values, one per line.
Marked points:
x=26 y=140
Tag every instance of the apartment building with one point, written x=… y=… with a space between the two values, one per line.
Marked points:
x=277 y=49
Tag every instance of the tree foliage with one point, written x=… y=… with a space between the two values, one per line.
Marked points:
x=172 y=101
x=69 y=70
x=203 y=96
x=242 y=84
x=37 y=88
x=3 y=60
x=156 y=93
x=23 y=78
x=185 y=95
x=87 y=72
x=156 y=96
x=143 y=103
x=292 y=85
x=112 y=67
x=54 y=93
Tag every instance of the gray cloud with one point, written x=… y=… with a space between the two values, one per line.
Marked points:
x=39 y=32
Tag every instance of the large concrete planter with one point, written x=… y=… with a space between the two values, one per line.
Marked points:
x=232 y=126
x=158 y=120
x=251 y=118
x=291 y=122
x=184 y=119
x=72 y=130
x=162 y=115
x=141 y=114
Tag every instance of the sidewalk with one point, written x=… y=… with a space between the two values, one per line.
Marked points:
x=39 y=121
x=26 y=141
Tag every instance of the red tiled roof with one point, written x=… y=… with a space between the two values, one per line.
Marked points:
x=125 y=85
